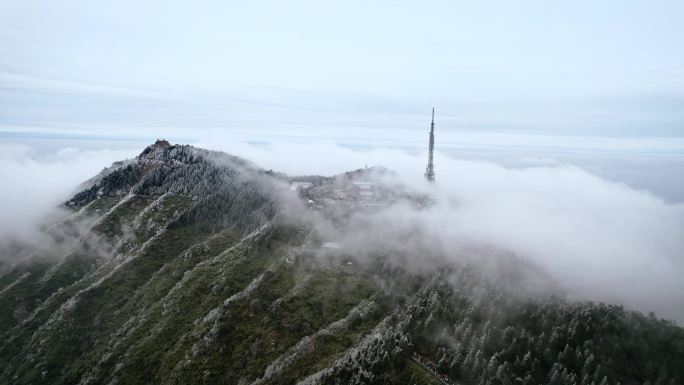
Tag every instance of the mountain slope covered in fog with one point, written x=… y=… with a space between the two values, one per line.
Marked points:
x=190 y=266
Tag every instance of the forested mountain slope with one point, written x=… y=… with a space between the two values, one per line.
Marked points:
x=190 y=266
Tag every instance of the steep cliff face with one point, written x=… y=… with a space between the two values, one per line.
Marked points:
x=190 y=266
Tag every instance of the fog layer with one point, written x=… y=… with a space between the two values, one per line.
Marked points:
x=599 y=239
x=34 y=184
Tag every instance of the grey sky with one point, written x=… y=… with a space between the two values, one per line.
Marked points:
x=608 y=68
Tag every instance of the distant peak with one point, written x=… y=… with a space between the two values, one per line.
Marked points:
x=161 y=143
x=158 y=146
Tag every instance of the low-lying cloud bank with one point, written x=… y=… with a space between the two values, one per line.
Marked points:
x=599 y=239
x=34 y=184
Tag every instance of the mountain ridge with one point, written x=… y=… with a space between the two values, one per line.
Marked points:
x=191 y=266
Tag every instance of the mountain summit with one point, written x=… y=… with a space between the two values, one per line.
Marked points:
x=191 y=266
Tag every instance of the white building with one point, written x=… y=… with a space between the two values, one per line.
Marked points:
x=294 y=186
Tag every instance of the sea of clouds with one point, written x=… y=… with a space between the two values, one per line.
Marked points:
x=599 y=239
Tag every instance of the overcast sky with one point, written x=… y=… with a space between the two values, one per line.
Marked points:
x=608 y=68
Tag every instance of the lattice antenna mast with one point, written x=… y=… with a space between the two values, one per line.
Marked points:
x=430 y=169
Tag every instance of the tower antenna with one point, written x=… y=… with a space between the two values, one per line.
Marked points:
x=430 y=169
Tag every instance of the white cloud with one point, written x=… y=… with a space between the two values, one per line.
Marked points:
x=599 y=239
x=34 y=184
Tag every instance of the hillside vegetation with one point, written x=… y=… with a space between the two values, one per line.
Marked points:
x=188 y=266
